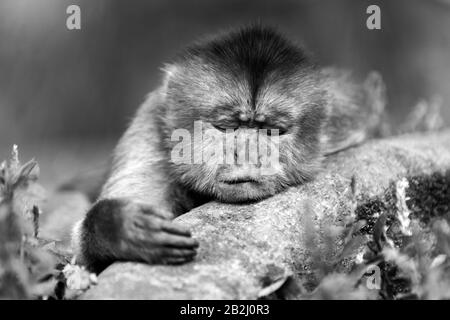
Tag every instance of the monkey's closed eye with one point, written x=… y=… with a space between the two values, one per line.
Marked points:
x=274 y=131
x=224 y=128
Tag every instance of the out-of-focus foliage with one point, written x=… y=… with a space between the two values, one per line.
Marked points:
x=30 y=266
x=425 y=116
x=21 y=266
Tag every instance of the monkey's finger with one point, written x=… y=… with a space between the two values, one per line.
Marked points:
x=163 y=214
x=139 y=253
x=175 y=228
x=170 y=240
x=150 y=223
x=178 y=260
x=178 y=253
x=156 y=222
x=160 y=254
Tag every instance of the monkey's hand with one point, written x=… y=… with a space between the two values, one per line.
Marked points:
x=119 y=229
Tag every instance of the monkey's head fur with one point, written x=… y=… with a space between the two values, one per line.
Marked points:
x=242 y=80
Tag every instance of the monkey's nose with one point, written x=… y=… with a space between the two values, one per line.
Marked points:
x=243 y=117
x=260 y=118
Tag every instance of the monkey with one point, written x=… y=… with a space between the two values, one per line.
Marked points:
x=238 y=80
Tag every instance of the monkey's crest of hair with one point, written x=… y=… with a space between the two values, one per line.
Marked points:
x=251 y=52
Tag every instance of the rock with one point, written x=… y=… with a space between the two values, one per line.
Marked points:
x=249 y=250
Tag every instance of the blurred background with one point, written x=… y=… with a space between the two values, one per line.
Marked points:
x=67 y=95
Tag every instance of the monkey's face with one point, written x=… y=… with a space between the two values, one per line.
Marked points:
x=235 y=144
x=249 y=88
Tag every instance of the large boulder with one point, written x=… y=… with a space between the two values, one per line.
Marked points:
x=247 y=251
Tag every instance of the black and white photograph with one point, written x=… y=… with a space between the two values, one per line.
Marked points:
x=236 y=151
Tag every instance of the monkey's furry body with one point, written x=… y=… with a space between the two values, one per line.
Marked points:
x=240 y=80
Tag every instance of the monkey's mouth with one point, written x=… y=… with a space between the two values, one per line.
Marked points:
x=239 y=181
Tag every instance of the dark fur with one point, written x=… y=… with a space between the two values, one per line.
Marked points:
x=249 y=78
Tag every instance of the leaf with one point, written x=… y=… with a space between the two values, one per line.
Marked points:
x=28 y=172
x=403 y=212
x=78 y=278
x=338 y=286
x=273 y=287
x=378 y=230
x=438 y=261
x=352 y=246
x=354 y=228
x=407 y=265
x=44 y=289
x=14 y=162
x=442 y=231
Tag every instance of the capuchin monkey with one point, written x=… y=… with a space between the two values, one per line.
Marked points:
x=240 y=80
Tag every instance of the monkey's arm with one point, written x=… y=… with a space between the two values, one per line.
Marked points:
x=138 y=167
x=132 y=218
